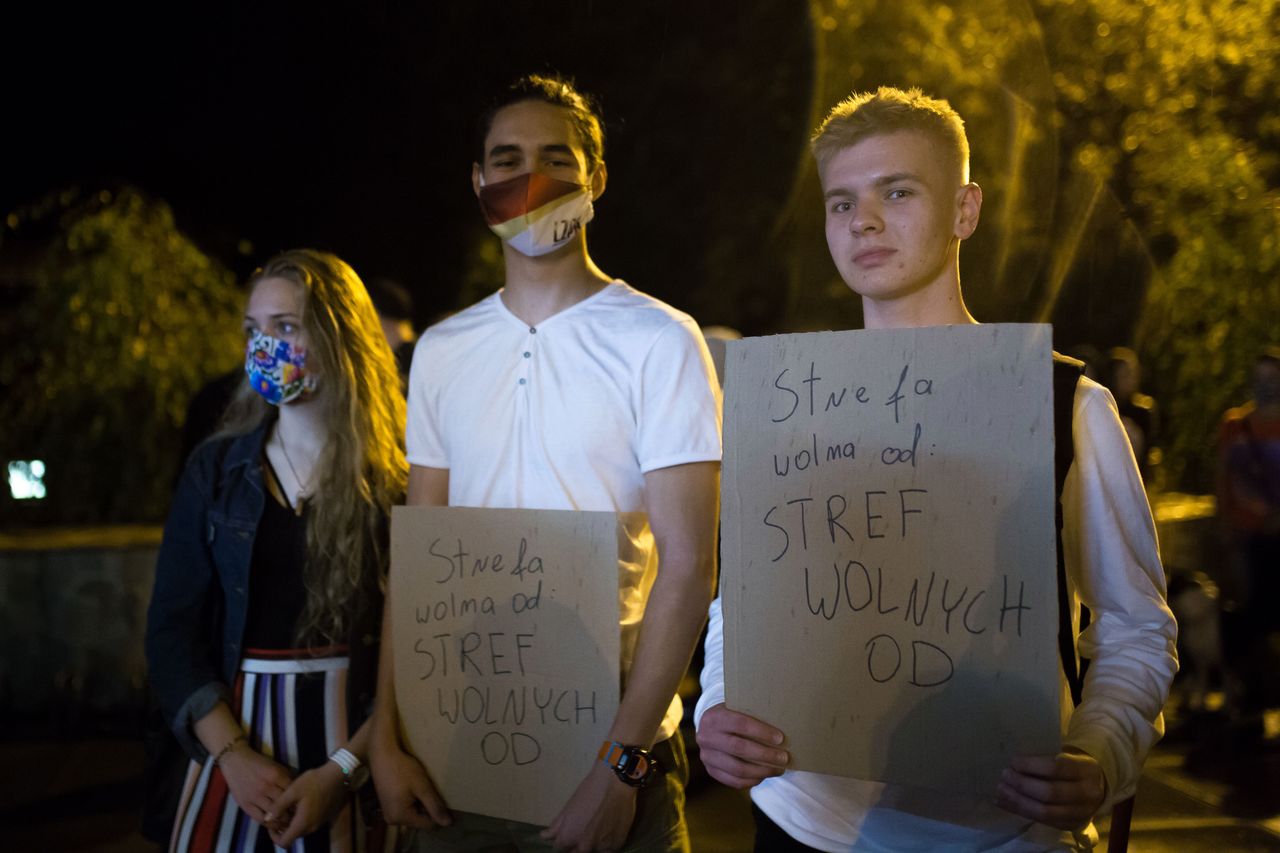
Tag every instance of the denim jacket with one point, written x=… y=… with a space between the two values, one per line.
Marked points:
x=199 y=603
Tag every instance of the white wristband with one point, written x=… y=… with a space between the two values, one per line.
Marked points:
x=347 y=762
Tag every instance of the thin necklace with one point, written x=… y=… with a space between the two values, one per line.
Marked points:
x=297 y=501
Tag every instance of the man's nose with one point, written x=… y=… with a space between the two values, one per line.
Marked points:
x=866 y=220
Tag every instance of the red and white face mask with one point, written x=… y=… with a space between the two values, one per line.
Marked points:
x=536 y=214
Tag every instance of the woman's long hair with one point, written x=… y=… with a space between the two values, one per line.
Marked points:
x=362 y=468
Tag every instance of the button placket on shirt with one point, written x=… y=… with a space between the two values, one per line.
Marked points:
x=528 y=356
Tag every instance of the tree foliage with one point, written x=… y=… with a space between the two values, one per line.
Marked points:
x=1174 y=106
x=121 y=321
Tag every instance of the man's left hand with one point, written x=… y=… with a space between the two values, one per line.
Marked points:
x=1063 y=790
x=597 y=817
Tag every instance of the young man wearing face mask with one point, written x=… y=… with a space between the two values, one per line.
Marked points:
x=568 y=389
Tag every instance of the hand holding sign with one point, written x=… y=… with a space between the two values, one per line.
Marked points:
x=597 y=817
x=1064 y=790
x=404 y=790
x=738 y=750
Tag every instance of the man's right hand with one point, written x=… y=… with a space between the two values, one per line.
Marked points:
x=738 y=750
x=407 y=796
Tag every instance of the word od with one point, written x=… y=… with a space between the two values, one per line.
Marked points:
x=836 y=506
x=522 y=748
x=930 y=665
x=920 y=387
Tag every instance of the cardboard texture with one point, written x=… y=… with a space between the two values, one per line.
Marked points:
x=505 y=627
x=889 y=588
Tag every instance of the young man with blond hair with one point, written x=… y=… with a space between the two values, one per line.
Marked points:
x=894 y=167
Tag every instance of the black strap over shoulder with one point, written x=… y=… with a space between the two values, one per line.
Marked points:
x=1066 y=375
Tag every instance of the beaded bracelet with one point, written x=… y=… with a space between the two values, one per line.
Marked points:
x=229 y=746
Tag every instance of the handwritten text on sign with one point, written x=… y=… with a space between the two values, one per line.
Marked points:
x=505 y=629
x=888 y=549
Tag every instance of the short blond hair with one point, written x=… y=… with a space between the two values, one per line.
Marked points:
x=889 y=110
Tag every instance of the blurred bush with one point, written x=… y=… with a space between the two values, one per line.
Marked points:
x=113 y=319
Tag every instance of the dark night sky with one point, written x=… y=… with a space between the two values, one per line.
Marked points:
x=351 y=130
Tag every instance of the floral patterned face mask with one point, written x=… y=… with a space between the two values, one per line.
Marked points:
x=277 y=369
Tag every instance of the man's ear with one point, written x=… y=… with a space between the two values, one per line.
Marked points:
x=475 y=179
x=968 y=209
x=599 y=178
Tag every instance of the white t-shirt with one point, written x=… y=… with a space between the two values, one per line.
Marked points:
x=1113 y=567
x=568 y=415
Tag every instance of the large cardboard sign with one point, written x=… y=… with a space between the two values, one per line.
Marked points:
x=889 y=586
x=505 y=629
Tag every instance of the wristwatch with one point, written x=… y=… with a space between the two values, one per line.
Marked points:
x=354 y=773
x=633 y=764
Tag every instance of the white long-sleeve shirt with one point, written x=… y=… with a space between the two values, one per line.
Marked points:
x=1113 y=567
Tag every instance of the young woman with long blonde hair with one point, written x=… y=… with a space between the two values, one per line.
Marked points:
x=268 y=579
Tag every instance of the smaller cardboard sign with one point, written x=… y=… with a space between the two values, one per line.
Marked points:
x=505 y=629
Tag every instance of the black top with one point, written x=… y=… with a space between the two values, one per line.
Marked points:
x=276 y=589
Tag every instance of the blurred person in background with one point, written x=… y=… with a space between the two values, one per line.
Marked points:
x=268 y=578
x=1248 y=487
x=1138 y=411
x=394 y=305
x=717 y=338
x=1092 y=358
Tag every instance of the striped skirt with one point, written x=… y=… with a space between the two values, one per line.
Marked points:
x=293 y=709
